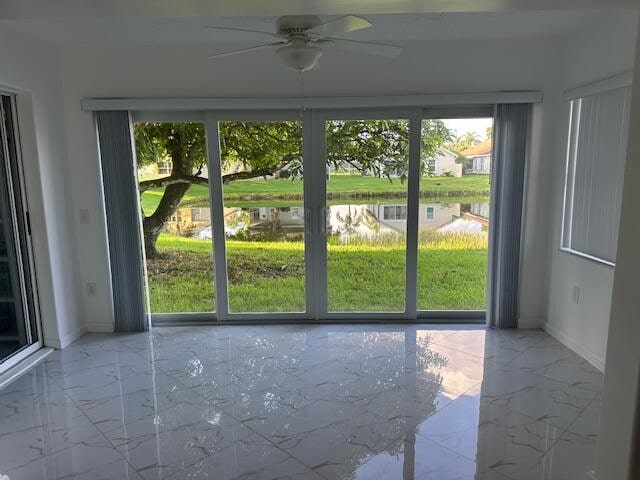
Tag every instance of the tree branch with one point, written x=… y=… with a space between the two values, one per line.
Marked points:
x=228 y=178
x=245 y=175
x=171 y=180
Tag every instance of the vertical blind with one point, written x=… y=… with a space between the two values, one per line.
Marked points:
x=123 y=221
x=507 y=180
x=595 y=168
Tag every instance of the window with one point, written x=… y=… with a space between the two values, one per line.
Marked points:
x=345 y=241
x=430 y=213
x=595 y=168
x=395 y=212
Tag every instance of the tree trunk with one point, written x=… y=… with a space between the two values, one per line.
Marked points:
x=152 y=225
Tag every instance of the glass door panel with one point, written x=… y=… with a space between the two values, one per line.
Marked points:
x=263 y=210
x=366 y=214
x=18 y=328
x=176 y=216
x=453 y=214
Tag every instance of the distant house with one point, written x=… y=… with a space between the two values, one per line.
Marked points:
x=444 y=163
x=165 y=168
x=480 y=156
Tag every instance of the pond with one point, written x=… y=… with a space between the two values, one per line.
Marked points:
x=345 y=221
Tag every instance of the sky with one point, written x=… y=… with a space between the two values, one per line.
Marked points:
x=462 y=125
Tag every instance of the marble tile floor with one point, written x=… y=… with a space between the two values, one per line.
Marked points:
x=304 y=402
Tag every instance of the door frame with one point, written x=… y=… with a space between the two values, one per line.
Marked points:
x=19 y=215
x=319 y=193
x=212 y=120
x=314 y=181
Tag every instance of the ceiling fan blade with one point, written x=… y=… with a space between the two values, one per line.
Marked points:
x=344 y=24
x=246 y=50
x=368 y=48
x=244 y=30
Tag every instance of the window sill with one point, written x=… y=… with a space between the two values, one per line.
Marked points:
x=585 y=256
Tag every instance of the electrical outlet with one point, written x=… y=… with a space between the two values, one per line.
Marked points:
x=85 y=219
x=576 y=294
x=92 y=290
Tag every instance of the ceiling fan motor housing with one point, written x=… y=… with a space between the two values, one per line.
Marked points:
x=292 y=25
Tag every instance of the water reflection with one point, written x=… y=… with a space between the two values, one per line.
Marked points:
x=368 y=221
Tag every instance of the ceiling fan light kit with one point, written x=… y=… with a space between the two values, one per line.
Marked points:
x=301 y=39
x=299 y=55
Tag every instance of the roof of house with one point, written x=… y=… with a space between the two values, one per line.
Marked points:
x=482 y=148
x=444 y=151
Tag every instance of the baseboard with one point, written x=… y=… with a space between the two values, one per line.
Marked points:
x=52 y=343
x=531 y=323
x=562 y=337
x=65 y=340
x=100 y=327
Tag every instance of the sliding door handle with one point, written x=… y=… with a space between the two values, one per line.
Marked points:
x=308 y=220
x=323 y=220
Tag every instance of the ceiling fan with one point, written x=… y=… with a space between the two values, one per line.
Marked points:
x=300 y=39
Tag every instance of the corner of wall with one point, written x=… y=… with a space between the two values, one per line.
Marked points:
x=591 y=357
x=65 y=339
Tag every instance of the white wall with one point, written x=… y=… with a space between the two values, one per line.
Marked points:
x=616 y=453
x=596 y=51
x=434 y=67
x=32 y=69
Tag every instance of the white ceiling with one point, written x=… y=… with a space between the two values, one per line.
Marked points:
x=387 y=27
x=194 y=8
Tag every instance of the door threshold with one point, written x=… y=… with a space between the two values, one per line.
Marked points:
x=160 y=320
x=24 y=366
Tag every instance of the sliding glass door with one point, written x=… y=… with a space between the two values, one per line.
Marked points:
x=19 y=333
x=173 y=180
x=319 y=215
x=261 y=175
x=453 y=215
x=365 y=201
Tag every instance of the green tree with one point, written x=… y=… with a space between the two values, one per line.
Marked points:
x=260 y=149
x=435 y=134
x=458 y=144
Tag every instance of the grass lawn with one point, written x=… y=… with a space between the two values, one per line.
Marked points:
x=338 y=184
x=269 y=277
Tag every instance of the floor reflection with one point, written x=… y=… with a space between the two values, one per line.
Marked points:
x=304 y=402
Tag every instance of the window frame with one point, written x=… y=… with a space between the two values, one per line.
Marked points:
x=313 y=140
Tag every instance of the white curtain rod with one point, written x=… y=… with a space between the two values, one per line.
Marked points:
x=278 y=103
